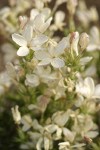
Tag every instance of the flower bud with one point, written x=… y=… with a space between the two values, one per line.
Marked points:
x=74 y=39
x=23 y=21
x=83 y=41
x=16 y=114
x=71 y=6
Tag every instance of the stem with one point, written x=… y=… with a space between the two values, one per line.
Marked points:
x=72 y=53
x=71 y=23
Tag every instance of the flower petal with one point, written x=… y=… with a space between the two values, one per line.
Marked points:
x=68 y=134
x=39 y=144
x=38 y=22
x=45 y=26
x=61 y=46
x=46 y=12
x=57 y=63
x=46 y=143
x=79 y=101
x=18 y=39
x=92 y=134
x=60 y=118
x=32 y=80
x=40 y=40
x=85 y=60
x=74 y=41
x=23 y=51
x=97 y=91
x=27 y=33
x=92 y=47
x=59 y=17
x=40 y=55
x=90 y=84
x=33 y=13
x=45 y=62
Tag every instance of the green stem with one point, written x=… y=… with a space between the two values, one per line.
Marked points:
x=71 y=23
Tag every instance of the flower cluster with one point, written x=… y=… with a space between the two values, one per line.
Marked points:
x=59 y=100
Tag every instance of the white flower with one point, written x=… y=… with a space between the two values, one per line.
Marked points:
x=27 y=122
x=41 y=23
x=26 y=41
x=58 y=21
x=23 y=41
x=40 y=137
x=88 y=89
x=84 y=125
x=38 y=41
x=16 y=114
x=94 y=39
x=59 y=119
x=40 y=75
x=52 y=55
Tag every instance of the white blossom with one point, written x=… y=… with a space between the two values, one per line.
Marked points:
x=88 y=89
x=84 y=125
x=52 y=55
x=41 y=23
x=40 y=75
x=26 y=122
x=41 y=138
x=26 y=41
x=58 y=21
